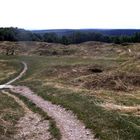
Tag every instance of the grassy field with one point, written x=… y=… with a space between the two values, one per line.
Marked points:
x=10 y=113
x=88 y=82
x=8 y=70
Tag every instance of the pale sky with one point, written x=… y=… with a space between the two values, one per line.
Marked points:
x=70 y=14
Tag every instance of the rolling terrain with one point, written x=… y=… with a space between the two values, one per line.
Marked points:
x=113 y=32
x=98 y=82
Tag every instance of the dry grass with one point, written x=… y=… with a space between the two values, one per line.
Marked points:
x=6 y=70
x=71 y=81
x=135 y=110
x=10 y=113
x=93 y=49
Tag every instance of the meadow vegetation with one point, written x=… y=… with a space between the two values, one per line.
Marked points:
x=90 y=79
x=10 y=113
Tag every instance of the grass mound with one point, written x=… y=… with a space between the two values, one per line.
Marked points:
x=115 y=81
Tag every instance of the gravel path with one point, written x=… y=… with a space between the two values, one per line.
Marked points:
x=71 y=128
x=20 y=75
x=31 y=126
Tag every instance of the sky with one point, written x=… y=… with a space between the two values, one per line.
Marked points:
x=70 y=14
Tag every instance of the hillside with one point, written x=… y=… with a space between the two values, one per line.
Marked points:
x=92 y=49
x=110 y=32
x=71 y=36
x=97 y=82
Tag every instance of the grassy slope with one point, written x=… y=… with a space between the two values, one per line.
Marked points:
x=107 y=125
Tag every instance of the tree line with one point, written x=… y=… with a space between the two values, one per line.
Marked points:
x=15 y=34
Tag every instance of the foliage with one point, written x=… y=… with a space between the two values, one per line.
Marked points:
x=15 y=34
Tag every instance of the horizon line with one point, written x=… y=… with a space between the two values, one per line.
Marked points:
x=72 y=28
x=85 y=29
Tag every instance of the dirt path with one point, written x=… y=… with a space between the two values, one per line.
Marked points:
x=71 y=128
x=7 y=85
x=20 y=75
x=31 y=126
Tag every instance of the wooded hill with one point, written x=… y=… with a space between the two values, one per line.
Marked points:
x=70 y=36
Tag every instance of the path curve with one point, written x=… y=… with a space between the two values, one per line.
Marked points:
x=20 y=75
x=71 y=128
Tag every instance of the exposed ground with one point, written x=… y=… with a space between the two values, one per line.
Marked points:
x=68 y=124
x=17 y=121
x=30 y=125
x=99 y=82
x=10 y=113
